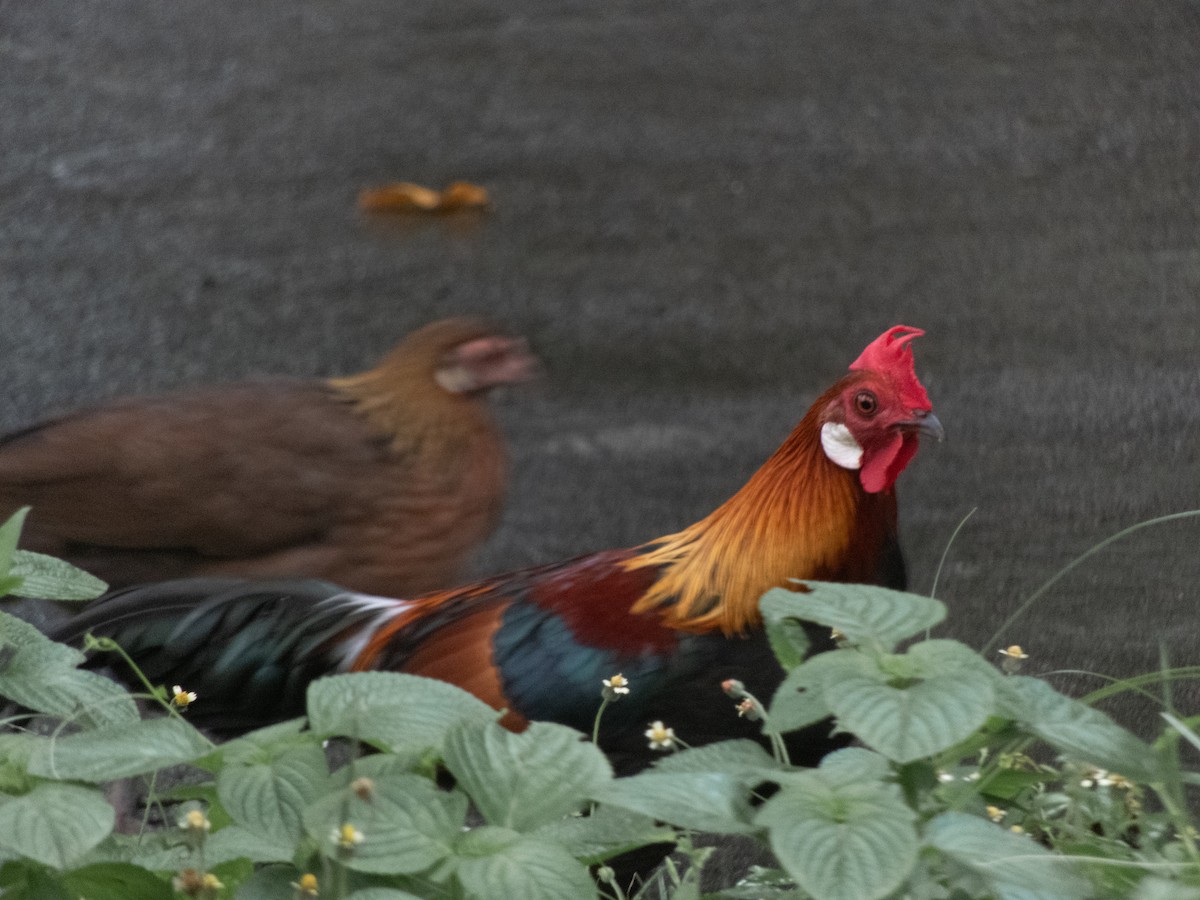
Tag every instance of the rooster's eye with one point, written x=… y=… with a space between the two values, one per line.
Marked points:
x=865 y=403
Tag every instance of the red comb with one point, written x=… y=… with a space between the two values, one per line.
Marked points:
x=889 y=354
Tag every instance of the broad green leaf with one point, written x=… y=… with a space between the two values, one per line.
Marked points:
x=49 y=578
x=382 y=893
x=117 y=881
x=379 y=765
x=19 y=635
x=41 y=674
x=270 y=883
x=407 y=824
x=257 y=746
x=10 y=534
x=865 y=614
x=605 y=833
x=742 y=757
x=158 y=851
x=1010 y=865
x=787 y=635
x=82 y=696
x=16 y=749
x=105 y=754
x=1074 y=729
x=268 y=797
x=765 y=884
x=704 y=801
x=852 y=765
x=55 y=824
x=525 y=780
x=1164 y=889
x=842 y=841
x=22 y=879
x=236 y=842
x=492 y=862
x=396 y=710
x=799 y=700
x=938 y=704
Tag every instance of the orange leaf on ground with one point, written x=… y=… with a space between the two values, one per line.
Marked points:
x=404 y=196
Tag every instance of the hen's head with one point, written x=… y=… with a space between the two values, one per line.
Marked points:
x=876 y=413
x=460 y=357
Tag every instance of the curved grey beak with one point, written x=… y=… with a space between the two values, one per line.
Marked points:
x=923 y=423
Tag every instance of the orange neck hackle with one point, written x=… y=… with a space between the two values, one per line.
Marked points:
x=799 y=516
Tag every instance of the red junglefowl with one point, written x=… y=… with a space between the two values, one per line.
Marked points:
x=675 y=616
x=383 y=481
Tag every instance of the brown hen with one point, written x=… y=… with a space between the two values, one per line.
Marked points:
x=383 y=481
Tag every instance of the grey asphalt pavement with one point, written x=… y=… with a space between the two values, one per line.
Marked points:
x=702 y=212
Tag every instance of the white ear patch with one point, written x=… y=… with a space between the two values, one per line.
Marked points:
x=840 y=446
x=454 y=379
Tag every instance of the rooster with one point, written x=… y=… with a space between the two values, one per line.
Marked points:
x=383 y=481
x=675 y=616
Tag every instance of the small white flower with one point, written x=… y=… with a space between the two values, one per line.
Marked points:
x=347 y=837
x=1104 y=778
x=995 y=813
x=307 y=885
x=181 y=698
x=1014 y=657
x=196 y=821
x=615 y=687
x=661 y=737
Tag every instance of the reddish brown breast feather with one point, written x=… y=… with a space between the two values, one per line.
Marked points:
x=593 y=595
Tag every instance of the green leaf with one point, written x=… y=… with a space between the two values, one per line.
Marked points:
x=525 y=780
x=841 y=841
x=798 y=702
x=55 y=824
x=257 y=745
x=158 y=851
x=743 y=758
x=268 y=797
x=407 y=824
x=605 y=833
x=1008 y=864
x=236 y=842
x=41 y=674
x=865 y=614
x=22 y=880
x=497 y=862
x=1074 y=729
x=114 y=752
x=382 y=893
x=45 y=653
x=49 y=578
x=10 y=534
x=117 y=881
x=392 y=709
x=1164 y=889
x=704 y=801
x=851 y=765
x=940 y=703
x=269 y=883
x=787 y=635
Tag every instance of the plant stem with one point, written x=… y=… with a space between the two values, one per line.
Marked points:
x=596 y=725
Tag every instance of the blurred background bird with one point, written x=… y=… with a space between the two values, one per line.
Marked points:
x=675 y=616
x=383 y=481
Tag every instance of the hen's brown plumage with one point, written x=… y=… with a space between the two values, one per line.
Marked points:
x=383 y=481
